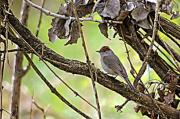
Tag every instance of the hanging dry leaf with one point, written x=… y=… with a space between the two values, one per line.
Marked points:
x=68 y=29
x=83 y=10
x=74 y=33
x=58 y=24
x=99 y=8
x=125 y=10
x=104 y=29
x=51 y=35
x=144 y=24
x=108 y=9
x=140 y=13
x=169 y=98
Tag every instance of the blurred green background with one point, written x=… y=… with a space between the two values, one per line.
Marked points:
x=55 y=109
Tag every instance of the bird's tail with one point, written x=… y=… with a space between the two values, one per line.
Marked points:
x=129 y=84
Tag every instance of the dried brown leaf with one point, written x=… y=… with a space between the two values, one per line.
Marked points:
x=123 y=15
x=125 y=10
x=58 y=25
x=144 y=24
x=140 y=13
x=99 y=8
x=83 y=10
x=74 y=33
x=169 y=98
x=104 y=29
x=109 y=9
x=51 y=35
x=68 y=29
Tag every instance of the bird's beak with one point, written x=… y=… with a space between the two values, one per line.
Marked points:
x=98 y=51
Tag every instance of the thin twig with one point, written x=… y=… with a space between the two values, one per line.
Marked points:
x=127 y=51
x=155 y=30
x=24 y=19
x=53 y=90
x=143 y=67
x=77 y=67
x=175 y=61
x=5 y=111
x=5 y=20
x=160 y=50
x=40 y=108
x=77 y=94
x=13 y=50
x=31 y=107
x=1 y=86
x=40 y=18
x=171 y=37
x=70 y=88
x=47 y=12
x=88 y=61
x=19 y=71
x=176 y=55
x=94 y=7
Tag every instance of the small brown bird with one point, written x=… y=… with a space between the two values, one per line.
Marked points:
x=112 y=65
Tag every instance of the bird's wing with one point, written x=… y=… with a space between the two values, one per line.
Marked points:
x=115 y=64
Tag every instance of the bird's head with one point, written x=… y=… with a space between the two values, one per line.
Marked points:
x=105 y=50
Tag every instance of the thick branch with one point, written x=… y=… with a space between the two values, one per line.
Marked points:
x=76 y=67
x=19 y=72
x=163 y=44
x=170 y=28
x=54 y=91
x=134 y=40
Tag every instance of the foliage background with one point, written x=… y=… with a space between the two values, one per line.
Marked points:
x=33 y=86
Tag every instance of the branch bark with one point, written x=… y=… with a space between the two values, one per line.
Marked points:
x=170 y=28
x=77 y=67
x=19 y=72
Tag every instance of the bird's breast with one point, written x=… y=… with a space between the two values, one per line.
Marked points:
x=106 y=68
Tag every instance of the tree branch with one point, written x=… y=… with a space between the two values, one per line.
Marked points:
x=170 y=27
x=53 y=90
x=47 y=12
x=87 y=60
x=77 y=67
x=19 y=72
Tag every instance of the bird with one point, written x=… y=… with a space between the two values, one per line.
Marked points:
x=112 y=65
